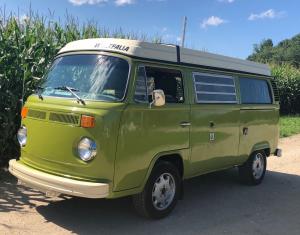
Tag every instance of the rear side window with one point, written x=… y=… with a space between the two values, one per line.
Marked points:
x=214 y=89
x=154 y=78
x=255 y=91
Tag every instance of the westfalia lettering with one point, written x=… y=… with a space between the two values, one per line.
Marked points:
x=118 y=47
x=113 y=46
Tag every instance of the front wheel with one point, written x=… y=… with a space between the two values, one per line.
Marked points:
x=253 y=171
x=160 y=194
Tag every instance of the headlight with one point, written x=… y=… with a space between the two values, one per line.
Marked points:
x=87 y=149
x=22 y=136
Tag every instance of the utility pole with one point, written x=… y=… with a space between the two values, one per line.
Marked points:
x=183 y=31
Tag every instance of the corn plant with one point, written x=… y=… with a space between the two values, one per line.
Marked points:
x=288 y=82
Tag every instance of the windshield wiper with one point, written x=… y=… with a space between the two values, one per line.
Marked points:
x=39 y=90
x=72 y=91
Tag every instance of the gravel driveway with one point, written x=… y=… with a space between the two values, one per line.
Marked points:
x=213 y=204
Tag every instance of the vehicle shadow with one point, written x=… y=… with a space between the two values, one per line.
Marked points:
x=14 y=197
x=213 y=204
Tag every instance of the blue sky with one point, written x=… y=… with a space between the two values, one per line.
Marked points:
x=228 y=27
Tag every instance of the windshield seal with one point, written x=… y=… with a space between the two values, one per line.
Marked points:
x=89 y=53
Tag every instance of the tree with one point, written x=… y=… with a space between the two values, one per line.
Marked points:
x=286 y=52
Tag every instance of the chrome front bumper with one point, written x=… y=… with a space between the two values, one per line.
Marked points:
x=55 y=185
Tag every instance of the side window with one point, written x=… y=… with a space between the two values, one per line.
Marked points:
x=168 y=80
x=255 y=91
x=214 y=89
x=141 y=94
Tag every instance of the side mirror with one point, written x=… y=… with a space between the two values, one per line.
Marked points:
x=158 y=98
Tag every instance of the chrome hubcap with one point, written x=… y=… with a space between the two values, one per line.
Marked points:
x=163 y=191
x=258 y=166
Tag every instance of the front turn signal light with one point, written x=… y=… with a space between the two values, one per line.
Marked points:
x=87 y=121
x=24 y=112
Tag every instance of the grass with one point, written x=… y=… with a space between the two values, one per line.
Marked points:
x=289 y=125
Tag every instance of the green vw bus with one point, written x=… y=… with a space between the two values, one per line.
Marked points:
x=115 y=117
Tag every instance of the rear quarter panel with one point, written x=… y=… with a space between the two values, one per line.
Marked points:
x=262 y=121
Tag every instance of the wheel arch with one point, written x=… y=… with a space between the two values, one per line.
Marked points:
x=175 y=157
x=261 y=146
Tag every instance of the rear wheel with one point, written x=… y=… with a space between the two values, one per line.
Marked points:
x=161 y=192
x=253 y=171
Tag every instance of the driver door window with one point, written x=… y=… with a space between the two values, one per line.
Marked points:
x=154 y=78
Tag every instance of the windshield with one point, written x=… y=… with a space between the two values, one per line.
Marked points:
x=91 y=77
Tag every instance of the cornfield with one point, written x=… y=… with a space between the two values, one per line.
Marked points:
x=27 y=46
x=288 y=82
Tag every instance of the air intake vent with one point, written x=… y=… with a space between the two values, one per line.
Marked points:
x=64 y=118
x=275 y=90
x=36 y=114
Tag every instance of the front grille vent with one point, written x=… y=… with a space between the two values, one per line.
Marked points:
x=275 y=90
x=64 y=118
x=36 y=114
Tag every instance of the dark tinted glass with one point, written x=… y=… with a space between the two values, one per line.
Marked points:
x=255 y=91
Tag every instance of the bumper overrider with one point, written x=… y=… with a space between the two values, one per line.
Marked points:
x=55 y=185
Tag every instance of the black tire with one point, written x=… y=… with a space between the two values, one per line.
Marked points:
x=143 y=202
x=247 y=172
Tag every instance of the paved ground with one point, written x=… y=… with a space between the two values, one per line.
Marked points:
x=213 y=204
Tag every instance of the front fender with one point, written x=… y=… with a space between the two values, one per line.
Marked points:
x=260 y=146
x=184 y=153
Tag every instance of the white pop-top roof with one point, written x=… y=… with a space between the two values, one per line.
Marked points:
x=168 y=53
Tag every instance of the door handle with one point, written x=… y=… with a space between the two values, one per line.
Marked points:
x=245 y=131
x=185 y=124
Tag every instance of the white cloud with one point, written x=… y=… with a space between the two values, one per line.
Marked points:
x=226 y=1
x=212 y=21
x=269 y=14
x=124 y=2
x=89 y=2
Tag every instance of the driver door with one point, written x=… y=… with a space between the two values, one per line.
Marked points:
x=147 y=131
